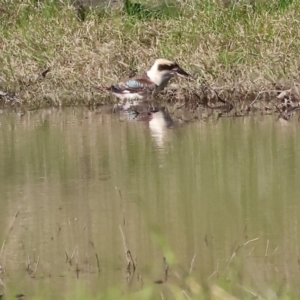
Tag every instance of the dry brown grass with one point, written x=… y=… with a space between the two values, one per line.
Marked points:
x=240 y=50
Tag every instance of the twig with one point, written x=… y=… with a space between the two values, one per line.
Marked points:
x=121 y=205
x=9 y=97
x=77 y=271
x=132 y=262
x=245 y=230
x=87 y=261
x=219 y=98
x=139 y=278
x=213 y=273
x=28 y=269
x=192 y=263
x=67 y=257
x=238 y=247
x=230 y=105
x=12 y=223
x=266 y=252
x=206 y=241
x=166 y=273
x=278 y=109
x=179 y=107
x=255 y=99
x=36 y=266
x=185 y=293
x=251 y=251
x=233 y=116
x=73 y=254
x=216 y=271
x=3 y=245
x=59 y=230
x=96 y=255
x=160 y=281
x=256 y=295
x=98 y=263
x=250 y=241
x=11 y=226
x=124 y=244
x=262 y=92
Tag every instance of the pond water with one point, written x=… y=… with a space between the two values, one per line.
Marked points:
x=219 y=200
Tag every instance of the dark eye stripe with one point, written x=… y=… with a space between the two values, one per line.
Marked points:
x=167 y=67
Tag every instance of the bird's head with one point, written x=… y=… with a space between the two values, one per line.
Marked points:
x=163 y=70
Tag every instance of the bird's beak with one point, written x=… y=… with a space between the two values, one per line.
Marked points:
x=181 y=72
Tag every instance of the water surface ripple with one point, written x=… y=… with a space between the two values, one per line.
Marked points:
x=225 y=193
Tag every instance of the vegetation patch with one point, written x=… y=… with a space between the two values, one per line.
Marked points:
x=56 y=53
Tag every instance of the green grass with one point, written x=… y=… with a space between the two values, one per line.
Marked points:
x=191 y=290
x=242 y=47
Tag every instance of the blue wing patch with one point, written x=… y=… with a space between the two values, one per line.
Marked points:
x=134 y=84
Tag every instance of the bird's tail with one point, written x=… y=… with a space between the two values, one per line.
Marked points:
x=112 y=89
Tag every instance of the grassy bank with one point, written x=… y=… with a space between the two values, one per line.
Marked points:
x=239 y=49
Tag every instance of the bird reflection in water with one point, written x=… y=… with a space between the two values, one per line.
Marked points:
x=159 y=124
x=159 y=120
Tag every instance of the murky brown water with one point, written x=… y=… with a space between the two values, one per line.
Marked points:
x=195 y=194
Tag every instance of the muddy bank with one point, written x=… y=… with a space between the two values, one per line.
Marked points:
x=184 y=103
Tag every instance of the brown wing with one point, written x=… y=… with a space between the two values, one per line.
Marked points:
x=140 y=83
